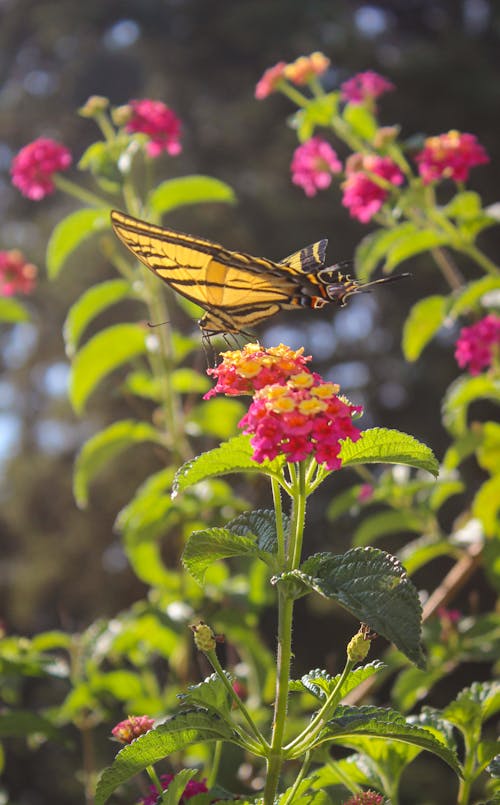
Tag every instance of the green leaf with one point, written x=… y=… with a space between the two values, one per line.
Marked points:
x=361 y=120
x=26 y=723
x=262 y=524
x=316 y=112
x=105 y=352
x=188 y=381
x=203 y=548
x=176 y=787
x=486 y=506
x=470 y=297
x=232 y=456
x=320 y=684
x=388 y=446
x=408 y=246
x=70 y=232
x=473 y=706
x=217 y=417
x=351 y=723
x=462 y=448
x=462 y=392
x=374 y=247
x=374 y=587
x=89 y=305
x=211 y=694
x=380 y=525
x=12 y=311
x=174 y=193
x=425 y=319
x=174 y=735
x=142 y=383
x=488 y=452
x=104 y=446
x=464 y=205
x=418 y=553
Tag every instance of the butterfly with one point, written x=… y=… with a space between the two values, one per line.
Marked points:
x=236 y=290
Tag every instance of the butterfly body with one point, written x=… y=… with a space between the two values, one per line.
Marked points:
x=236 y=290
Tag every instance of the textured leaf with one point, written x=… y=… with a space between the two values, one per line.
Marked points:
x=462 y=392
x=374 y=587
x=262 y=523
x=105 y=352
x=384 y=445
x=384 y=723
x=175 y=734
x=320 y=684
x=473 y=705
x=70 y=232
x=232 y=456
x=203 y=548
x=425 y=319
x=412 y=244
x=375 y=246
x=104 y=446
x=210 y=694
x=89 y=305
x=184 y=190
x=12 y=311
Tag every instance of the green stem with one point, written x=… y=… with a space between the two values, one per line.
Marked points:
x=288 y=800
x=294 y=95
x=214 y=662
x=280 y=554
x=476 y=254
x=104 y=123
x=214 y=768
x=464 y=790
x=299 y=513
x=73 y=189
x=154 y=778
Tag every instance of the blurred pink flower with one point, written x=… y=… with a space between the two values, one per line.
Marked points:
x=34 y=166
x=450 y=156
x=303 y=69
x=126 y=731
x=16 y=274
x=270 y=81
x=313 y=165
x=362 y=195
x=365 y=86
x=365 y=493
x=193 y=787
x=159 y=122
x=478 y=344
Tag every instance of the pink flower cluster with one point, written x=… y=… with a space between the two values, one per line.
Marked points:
x=16 y=275
x=159 y=122
x=33 y=168
x=190 y=790
x=296 y=414
x=363 y=195
x=479 y=344
x=128 y=730
x=365 y=87
x=244 y=371
x=299 y=72
x=313 y=165
x=450 y=156
x=365 y=798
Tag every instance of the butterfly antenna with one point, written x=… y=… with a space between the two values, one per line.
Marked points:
x=383 y=280
x=157 y=324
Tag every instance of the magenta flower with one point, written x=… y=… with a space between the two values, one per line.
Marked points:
x=192 y=788
x=450 y=156
x=16 y=275
x=365 y=798
x=133 y=726
x=479 y=344
x=33 y=168
x=270 y=80
x=313 y=165
x=159 y=122
x=365 y=87
x=363 y=196
x=365 y=493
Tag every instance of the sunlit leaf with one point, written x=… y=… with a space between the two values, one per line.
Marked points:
x=71 y=232
x=425 y=319
x=470 y=297
x=375 y=246
x=388 y=446
x=89 y=305
x=361 y=120
x=12 y=311
x=486 y=506
x=184 y=190
x=412 y=244
x=380 y=525
x=462 y=392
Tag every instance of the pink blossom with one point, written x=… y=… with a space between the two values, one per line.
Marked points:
x=16 y=274
x=363 y=196
x=365 y=86
x=270 y=81
x=192 y=788
x=313 y=165
x=33 y=168
x=253 y=367
x=478 y=344
x=127 y=731
x=303 y=69
x=365 y=493
x=159 y=122
x=365 y=798
x=450 y=156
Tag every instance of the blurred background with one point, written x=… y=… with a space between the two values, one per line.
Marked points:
x=59 y=567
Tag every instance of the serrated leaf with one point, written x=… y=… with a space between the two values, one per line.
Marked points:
x=71 y=232
x=234 y=455
x=423 y=322
x=377 y=526
x=375 y=246
x=470 y=297
x=462 y=392
x=385 y=724
x=473 y=705
x=262 y=523
x=172 y=736
x=388 y=446
x=174 y=193
x=486 y=506
x=105 y=352
x=104 y=446
x=412 y=244
x=12 y=311
x=89 y=305
x=320 y=684
x=210 y=694
x=203 y=548
x=374 y=587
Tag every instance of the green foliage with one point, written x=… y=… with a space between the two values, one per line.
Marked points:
x=390 y=447
x=89 y=305
x=12 y=311
x=423 y=322
x=174 y=193
x=70 y=233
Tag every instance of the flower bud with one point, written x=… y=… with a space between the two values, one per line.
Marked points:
x=359 y=646
x=94 y=105
x=204 y=637
x=121 y=115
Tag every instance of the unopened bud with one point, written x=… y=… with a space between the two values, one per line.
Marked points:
x=94 y=105
x=359 y=646
x=121 y=115
x=205 y=638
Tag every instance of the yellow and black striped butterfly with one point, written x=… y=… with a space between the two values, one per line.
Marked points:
x=236 y=290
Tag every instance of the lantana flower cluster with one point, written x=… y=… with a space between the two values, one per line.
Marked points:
x=364 y=87
x=16 y=274
x=34 y=167
x=364 y=196
x=299 y=72
x=450 y=156
x=479 y=344
x=131 y=728
x=159 y=122
x=313 y=165
x=296 y=413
